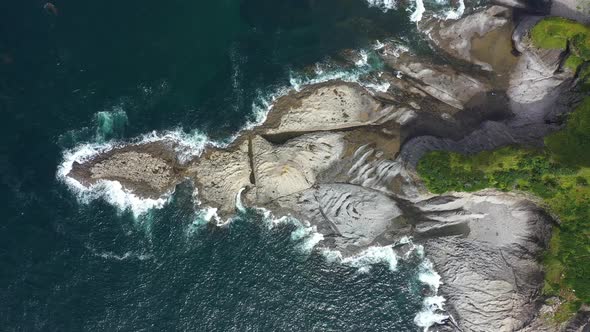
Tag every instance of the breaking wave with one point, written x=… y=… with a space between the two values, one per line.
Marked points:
x=432 y=312
x=418 y=8
x=384 y=5
x=110 y=124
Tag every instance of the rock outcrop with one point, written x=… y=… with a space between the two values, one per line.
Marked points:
x=148 y=169
x=487 y=252
x=340 y=157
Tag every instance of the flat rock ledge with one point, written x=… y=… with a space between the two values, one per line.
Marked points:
x=340 y=157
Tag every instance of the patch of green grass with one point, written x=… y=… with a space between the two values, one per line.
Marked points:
x=585 y=78
x=572 y=145
x=559 y=175
x=573 y=62
x=554 y=33
x=557 y=32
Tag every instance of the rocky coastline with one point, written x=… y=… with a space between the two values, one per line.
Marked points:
x=342 y=158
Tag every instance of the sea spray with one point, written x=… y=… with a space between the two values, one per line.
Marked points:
x=107 y=255
x=305 y=235
x=368 y=61
x=418 y=9
x=384 y=5
x=432 y=306
x=371 y=256
x=456 y=14
x=418 y=12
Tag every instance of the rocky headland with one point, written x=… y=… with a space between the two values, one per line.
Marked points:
x=342 y=158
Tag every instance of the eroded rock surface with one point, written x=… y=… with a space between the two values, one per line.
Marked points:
x=442 y=82
x=488 y=258
x=325 y=107
x=456 y=37
x=281 y=170
x=149 y=169
x=341 y=157
x=220 y=174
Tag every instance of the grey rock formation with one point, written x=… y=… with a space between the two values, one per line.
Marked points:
x=488 y=257
x=353 y=217
x=442 y=82
x=455 y=37
x=578 y=10
x=150 y=169
x=341 y=158
x=282 y=170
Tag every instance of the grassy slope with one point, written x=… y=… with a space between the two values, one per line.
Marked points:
x=557 y=32
x=559 y=175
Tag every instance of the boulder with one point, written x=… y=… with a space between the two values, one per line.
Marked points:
x=441 y=82
x=457 y=37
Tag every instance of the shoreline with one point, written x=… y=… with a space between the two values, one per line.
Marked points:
x=342 y=158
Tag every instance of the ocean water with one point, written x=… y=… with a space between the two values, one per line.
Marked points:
x=100 y=72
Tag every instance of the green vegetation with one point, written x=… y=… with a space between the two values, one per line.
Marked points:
x=559 y=175
x=557 y=33
x=572 y=145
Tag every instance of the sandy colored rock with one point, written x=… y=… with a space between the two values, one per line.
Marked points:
x=135 y=167
x=220 y=174
x=147 y=169
x=332 y=106
x=281 y=170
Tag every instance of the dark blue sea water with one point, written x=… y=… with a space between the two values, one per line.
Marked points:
x=102 y=70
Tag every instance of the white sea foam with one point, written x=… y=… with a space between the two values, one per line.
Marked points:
x=125 y=256
x=378 y=45
x=364 y=260
x=110 y=124
x=379 y=86
x=261 y=106
x=430 y=314
x=433 y=306
x=363 y=60
x=306 y=235
x=187 y=145
x=384 y=5
x=239 y=205
x=418 y=12
x=457 y=13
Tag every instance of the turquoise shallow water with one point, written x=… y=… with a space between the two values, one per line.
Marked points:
x=105 y=70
